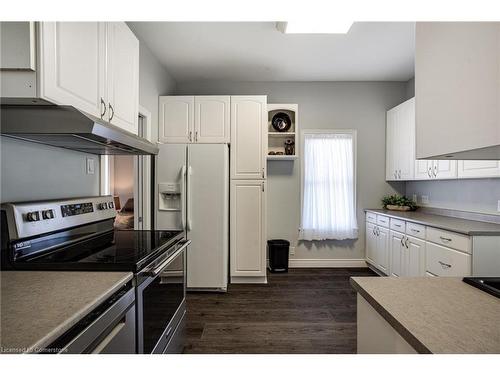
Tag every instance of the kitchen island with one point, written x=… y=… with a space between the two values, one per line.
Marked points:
x=39 y=306
x=425 y=315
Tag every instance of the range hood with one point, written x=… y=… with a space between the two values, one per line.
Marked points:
x=67 y=127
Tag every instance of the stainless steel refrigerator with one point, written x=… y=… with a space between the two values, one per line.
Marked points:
x=192 y=194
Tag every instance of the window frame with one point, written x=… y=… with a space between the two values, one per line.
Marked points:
x=354 y=134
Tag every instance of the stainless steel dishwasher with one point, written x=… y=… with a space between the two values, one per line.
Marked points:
x=108 y=329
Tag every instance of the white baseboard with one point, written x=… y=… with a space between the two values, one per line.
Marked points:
x=326 y=263
x=248 y=279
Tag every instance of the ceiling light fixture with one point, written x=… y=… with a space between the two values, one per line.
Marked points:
x=314 y=27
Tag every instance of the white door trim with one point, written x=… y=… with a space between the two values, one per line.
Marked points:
x=146 y=177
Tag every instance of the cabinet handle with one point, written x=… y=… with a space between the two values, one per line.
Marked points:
x=429 y=172
x=262 y=187
x=415 y=230
x=435 y=171
x=111 y=111
x=397 y=225
x=196 y=136
x=406 y=242
x=402 y=243
x=395 y=174
x=444 y=265
x=190 y=136
x=103 y=104
x=445 y=239
x=262 y=172
x=399 y=174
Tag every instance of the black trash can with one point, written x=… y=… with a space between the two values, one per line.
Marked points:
x=278 y=255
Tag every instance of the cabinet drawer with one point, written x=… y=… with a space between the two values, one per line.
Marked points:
x=415 y=230
x=448 y=239
x=443 y=261
x=383 y=221
x=398 y=225
x=371 y=217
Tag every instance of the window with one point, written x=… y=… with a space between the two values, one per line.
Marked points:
x=329 y=185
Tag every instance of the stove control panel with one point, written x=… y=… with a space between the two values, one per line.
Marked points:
x=28 y=219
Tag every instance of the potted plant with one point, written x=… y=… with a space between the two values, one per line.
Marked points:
x=398 y=203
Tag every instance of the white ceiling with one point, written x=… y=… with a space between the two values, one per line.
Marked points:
x=257 y=51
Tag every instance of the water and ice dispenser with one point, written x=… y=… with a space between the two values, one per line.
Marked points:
x=170 y=196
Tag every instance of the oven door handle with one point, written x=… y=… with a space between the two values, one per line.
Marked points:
x=158 y=269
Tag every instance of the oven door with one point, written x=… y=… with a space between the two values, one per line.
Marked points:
x=161 y=302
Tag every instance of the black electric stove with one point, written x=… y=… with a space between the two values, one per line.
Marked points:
x=62 y=235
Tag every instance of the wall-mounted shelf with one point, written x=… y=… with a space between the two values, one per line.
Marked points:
x=282 y=157
x=275 y=139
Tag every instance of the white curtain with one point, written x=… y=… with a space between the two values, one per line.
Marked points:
x=328 y=207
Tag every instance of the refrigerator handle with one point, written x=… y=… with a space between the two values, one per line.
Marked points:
x=188 y=196
x=183 y=200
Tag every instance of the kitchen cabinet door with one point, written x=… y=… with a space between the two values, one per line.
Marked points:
x=423 y=169
x=406 y=140
x=176 y=119
x=396 y=254
x=391 y=146
x=371 y=243
x=123 y=76
x=444 y=169
x=248 y=228
x=478 y=168
x=248 y=137
x=400 y=142
x=415 y=261
x=382 y=254
x=73 y=64
x=212 y=119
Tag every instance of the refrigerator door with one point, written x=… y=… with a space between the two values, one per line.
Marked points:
x=208 y=216
x=170 y=189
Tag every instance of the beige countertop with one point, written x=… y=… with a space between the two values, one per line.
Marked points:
x=464 y=226
x=436 y=314
x=38 y=306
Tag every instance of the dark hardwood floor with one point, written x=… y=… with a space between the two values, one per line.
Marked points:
x=303 y=311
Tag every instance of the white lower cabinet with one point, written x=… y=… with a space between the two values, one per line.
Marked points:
x=371 y=242
x=397 y=254
x=377 y=247
x=248 y=230
x=415 y=257
x=407 y=255
x=444 y=261
x=414 y=250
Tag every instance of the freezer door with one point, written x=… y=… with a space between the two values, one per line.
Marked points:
x=208 y=216
x=171 y=187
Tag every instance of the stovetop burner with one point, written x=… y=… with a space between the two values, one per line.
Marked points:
x=118 y=250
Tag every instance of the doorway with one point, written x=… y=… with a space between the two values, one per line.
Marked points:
x=128 y=179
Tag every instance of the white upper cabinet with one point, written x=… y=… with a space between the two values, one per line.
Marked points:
x=457 y=75
x=400 y=141
x=73 y=64
x=212 y=119
x=444 y=169
x=123 y=76
x=248 y=137
x=93 y=66
x=478 y=168
x=194 y=119
x=176 y=120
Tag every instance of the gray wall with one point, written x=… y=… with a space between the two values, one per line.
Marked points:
x=30 y=171
x=476 y=195
x=322 y=105
x=154 y=81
